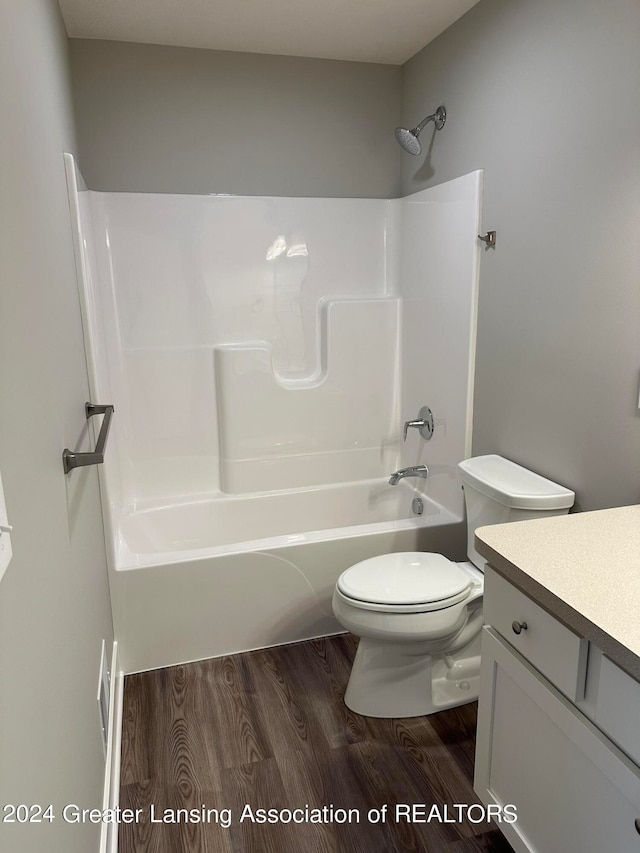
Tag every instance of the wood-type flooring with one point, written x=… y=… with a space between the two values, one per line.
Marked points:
x=269 y=729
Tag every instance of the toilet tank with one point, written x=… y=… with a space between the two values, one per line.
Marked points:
x=497 y=490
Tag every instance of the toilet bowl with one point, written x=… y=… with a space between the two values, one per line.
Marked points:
x=419 y=614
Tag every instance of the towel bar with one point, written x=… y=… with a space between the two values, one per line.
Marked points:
x=71 y=460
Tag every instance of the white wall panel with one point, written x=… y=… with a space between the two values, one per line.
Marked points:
x=439 y=270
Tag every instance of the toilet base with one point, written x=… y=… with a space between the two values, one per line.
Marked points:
x=401 y=680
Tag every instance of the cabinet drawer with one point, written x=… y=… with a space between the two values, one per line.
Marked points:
x=554 y=650
x=617 y=708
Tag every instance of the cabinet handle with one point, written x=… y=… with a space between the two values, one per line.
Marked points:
x=638 y=825
x=517 y=627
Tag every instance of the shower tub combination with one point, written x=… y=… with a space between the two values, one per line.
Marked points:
x=262 y=355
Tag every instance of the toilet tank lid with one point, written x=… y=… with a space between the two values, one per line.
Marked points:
x=512 y=485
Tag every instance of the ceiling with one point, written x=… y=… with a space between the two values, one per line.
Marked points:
x=387 y=31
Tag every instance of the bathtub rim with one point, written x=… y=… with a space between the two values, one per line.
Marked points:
x=126 y=560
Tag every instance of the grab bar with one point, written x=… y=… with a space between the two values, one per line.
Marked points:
x=71 y=460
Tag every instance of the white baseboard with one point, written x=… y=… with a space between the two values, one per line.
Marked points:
x=111 y=793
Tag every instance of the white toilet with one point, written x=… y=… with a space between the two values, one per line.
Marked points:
x=419 y=615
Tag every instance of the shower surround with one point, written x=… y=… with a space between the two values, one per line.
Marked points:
x=262 y=355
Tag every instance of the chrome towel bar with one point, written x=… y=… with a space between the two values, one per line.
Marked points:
x=71 y=460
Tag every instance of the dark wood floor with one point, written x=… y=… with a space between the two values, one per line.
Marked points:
x=270 y=729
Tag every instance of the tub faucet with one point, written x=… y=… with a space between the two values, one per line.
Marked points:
x=413 y=471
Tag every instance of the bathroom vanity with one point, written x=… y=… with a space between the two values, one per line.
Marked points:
x=559 y=706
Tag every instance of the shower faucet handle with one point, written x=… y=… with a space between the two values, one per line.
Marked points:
x=409 y=424
x=423 y=423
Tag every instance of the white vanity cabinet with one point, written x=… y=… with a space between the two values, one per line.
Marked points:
x=574 y=789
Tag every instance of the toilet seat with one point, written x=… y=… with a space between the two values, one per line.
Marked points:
x=407 y=582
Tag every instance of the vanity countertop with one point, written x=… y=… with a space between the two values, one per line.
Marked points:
x=582 y=568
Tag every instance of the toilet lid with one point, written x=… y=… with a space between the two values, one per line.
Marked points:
x=406 y=578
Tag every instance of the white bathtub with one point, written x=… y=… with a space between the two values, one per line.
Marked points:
x=226 y=574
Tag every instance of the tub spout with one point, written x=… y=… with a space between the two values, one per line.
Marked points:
x=413 y=471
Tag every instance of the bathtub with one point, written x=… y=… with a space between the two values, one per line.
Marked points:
x=222 y=574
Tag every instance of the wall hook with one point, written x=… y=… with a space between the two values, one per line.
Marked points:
x=489 y=238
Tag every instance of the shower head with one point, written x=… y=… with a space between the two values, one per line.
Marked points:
x=408 y=139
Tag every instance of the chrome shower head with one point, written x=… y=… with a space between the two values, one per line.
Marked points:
x=408 y=139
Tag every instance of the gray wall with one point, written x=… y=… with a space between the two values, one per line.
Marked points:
x=544 y=97
x=168 y=119
x=54 y=600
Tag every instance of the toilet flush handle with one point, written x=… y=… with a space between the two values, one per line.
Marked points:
x=423 y=423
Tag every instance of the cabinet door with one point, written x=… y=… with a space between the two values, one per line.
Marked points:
x=573 y=789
